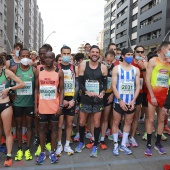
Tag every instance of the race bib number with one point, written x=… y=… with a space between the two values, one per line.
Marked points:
x=27 y=90
x=92 y=86
x=47 y=92
x=109 y=81
x=68 y=86
x=141 y=83
x=126 y=87
x=162 y=80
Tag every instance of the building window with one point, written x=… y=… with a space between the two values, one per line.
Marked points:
x=135 y=4
x=134 y=29
x=121 y=23
x=121 y=3
x=133 y=42
x=122 y=12
x=1 y=33
x=134 y=17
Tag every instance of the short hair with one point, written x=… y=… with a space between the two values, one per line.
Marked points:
x=57 y=57
x=126 y=50
x=48 y=47
x=139 y=46
x=118 y=49
x=24 y=49
x=79 y=56
x=110 y=45
x=43 y=48
x=164 y=44
x=94 y=46
x=2 y=60
x=18 y=44
x=87 y=44
x=65 y=48
x=50 y=52
x=112 y=53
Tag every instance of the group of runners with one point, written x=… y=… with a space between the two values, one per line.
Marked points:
x=110 y=94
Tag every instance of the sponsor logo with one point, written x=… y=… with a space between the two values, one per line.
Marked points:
x=163 y=71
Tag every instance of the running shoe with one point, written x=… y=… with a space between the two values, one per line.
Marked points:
x=19 y=155
x=163 y=137
x=90 y=144
x=166 y=130
x=88 y=135
x=120 y=134
x=28 y=155
x=125 y=149
x=160 y=149
x=68 y=150
x=94 y=152
x=133 y=142
x=127 y=143
x=137 y=132
x=41 y=158
x=110 y=137
x=3 y=141
x=144 y=137
x=48 y=146
x=80 y=147
x=3 y=149
x=38 y=151
x=72 y=133
x=116 y=149
x=8 y=162
x=36 y=141
x=74 y=125
x=103 y=145
x=14 y=137
x=77 y=137
x=107 y=132
x=53 y=157
x=24 y=138
x=59 y=150
x=148 y=150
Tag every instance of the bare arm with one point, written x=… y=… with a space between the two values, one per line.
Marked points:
x=114 y=82
x=36 y=92
x=137 y=84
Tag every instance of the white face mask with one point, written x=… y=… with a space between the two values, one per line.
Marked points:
x=25 y=61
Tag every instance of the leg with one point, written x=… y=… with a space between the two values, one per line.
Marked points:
x=69 y=126
x=42 y=134
x=53 y=135
x=19 y=131
x=60 y=124
x=29 y=130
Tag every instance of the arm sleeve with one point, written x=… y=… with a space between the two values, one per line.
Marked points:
x=167 y=101
x=104 y=83
x=81 y=84
x=77 y=88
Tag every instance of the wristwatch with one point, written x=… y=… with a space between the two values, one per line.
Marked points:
x=61 y=105
x=10 y=89
x=119 y=99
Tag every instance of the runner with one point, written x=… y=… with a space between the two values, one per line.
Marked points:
x=87 y=48
x=93 y=83
x=126 y=87
x=5 y=106
x=23 y=105
x=71 y=90
x=157 y=77
x=49 y=82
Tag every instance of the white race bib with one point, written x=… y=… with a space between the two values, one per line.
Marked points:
x=126 y=87
x=47 y=92
x=68 y=86
x=109 y=81
x=92 y=86
x=162 y=80
x=27 y=90
x=2 y=87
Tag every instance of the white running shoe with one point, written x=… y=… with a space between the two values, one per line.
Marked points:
x=59 y=150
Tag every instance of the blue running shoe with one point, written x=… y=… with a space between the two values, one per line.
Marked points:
x=116 y=149
x=80 y=147
x=41 y=158
x=94 y=152
x=160 y=149
x=3 y=149
x=148 y=150
x=125 y=149
x=53 y=157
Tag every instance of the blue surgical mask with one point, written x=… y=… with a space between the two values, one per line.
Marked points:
x=107 y=65
x=138 y=58
x=17 y=53
x=167 y=55
x=66 y=59
x=117 y=57
x=129 y=59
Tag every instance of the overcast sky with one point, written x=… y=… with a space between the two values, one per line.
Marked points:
x=74 y=21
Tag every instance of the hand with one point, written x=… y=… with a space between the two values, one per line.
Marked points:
x=71 y=103
x=91 y=94
x=4 y=93
x=36 y=112
x=131 y=105
x=141 y=64
x=154 y=101
x=59 y=112
x=65 y=103
x=110 y=98
x=101 y=95
x=123 y=105
x=165 y=111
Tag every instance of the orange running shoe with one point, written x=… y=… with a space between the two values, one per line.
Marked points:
x=90 y=144
x=166 y=130
x=24 y=138
x=103 y=146
x=3 y=141
x=8 y=162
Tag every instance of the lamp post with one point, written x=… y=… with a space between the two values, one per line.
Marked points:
x=49 y=36
x=166 y=35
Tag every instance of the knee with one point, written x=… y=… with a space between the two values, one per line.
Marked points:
x=69 y=124
x=150 y=119
x=60 y=126
x=128 y=122
x=116 y=123
x=42 y=127
x=96 y=123
x=82 y=122
x=161 y=120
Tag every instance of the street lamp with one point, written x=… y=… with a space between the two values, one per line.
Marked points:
x=49 y=36
x=166 y=35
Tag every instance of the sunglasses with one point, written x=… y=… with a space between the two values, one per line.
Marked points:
x=140 y=52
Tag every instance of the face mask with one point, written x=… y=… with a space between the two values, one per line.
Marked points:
x=106 y=64
x=66 y=59
x=167 y=55
x=17 y=53
x=117 y=57
x=138 y=58
x=129 y=59
x=158 y=55
x=71 y=62
x=25 y=61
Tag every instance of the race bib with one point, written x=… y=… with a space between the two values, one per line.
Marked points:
x=162 y=80
x=2 y=87
x=109 y=81
x=27 y=90
x=47 y=92
x=141 y=83
x=126 y=87
x=68 y=86
x=92 y=86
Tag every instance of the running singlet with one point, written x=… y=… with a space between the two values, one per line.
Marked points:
x=48 y=91
x=25 y=96
x=160 y=77
x=126 y=84
x=4 y=82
